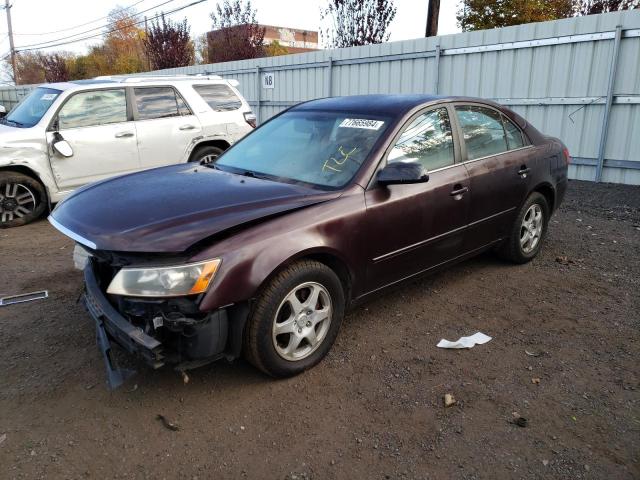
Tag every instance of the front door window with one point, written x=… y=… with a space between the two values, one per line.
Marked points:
x=97 y=107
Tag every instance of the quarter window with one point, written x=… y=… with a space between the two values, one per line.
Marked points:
x=219 y=97
x=159 y=102
x=426 y=140
x=514 y=135
x=482 y=131
x=97 y=107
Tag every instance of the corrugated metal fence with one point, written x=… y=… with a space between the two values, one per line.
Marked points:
x=578 y=79
x=10 y=96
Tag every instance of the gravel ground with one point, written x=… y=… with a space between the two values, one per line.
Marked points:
x=374 y=407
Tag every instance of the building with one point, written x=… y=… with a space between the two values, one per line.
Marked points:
x=293 y=39
x=289 y=40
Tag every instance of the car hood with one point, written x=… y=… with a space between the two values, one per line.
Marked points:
x=169 y=209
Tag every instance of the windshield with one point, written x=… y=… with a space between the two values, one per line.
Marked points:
x=325 y=149
x=32 y=107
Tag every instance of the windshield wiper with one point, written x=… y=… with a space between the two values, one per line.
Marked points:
x=261 y=176
x=19 y=124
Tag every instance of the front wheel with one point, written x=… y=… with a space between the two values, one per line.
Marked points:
x=295 y=319
x=22 y=199
x=527 y=231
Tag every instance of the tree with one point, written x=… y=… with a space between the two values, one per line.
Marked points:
x=123 y=43
x=29 y=69
x=483 y=14
x=274 y=49
x=236 y=34
x=589 y=7
x=168 y=44
x=55 y=67
x=201 y=49
x=357 y=22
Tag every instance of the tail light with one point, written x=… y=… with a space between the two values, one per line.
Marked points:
x=567 y=157
x=250 y=118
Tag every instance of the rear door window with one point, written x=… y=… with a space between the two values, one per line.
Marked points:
x=482 y=131
x=219 y=97
x=96 y=107
x=426 y=140
x=514 y=135
x=159 y=102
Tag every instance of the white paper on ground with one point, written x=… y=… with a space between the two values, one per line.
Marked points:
x=465 y=342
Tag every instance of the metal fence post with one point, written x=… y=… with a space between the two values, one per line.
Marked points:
x=258 y=89
x=607 y=107
x=329 y=76
x=436 y=72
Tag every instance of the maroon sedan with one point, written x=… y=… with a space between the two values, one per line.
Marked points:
x=260 y=253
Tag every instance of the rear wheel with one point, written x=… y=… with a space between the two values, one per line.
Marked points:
x=528 y=230
x=206 y=154
x=22 y=199
x=295 y=320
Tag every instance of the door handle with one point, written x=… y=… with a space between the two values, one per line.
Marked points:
x=524 y=171
x=124 y=134
x=187 y=127
x=459 y=190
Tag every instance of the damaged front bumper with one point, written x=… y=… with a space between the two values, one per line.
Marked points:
x=183 y=341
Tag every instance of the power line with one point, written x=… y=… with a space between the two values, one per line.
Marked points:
x=170 y=12
x=76 y=26
x=44 y=43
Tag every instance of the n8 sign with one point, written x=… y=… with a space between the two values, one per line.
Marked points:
x=268 y=80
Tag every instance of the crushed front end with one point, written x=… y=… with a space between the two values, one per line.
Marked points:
x=159 y=330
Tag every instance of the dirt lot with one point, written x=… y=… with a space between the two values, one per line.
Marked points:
x=373 y=408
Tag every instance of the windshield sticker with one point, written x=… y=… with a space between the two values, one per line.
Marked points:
x=361 y=123
x=48 y=96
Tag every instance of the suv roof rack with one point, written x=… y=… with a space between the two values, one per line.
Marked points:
x=151 y=78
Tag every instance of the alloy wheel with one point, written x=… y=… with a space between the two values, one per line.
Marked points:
x=302 y=321
x=531 y=228
x=16 y=201
x=209 y=158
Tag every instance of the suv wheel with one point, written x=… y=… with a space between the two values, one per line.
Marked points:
x=295 y=319
x=528 y=230
x=22 y=199
x=206 y=154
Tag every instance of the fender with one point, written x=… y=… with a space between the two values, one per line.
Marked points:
x=248 y=260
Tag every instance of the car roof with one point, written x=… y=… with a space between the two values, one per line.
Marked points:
x=133 y=80
x=391 y=105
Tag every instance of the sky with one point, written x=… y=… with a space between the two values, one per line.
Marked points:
x=37 y=21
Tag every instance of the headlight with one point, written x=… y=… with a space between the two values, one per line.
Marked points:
x=164 y=281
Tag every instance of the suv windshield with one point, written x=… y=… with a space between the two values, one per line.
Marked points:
x=32 y=107
x=324 y=149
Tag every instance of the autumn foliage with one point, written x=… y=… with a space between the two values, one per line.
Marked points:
x=167 y=44
x=484 y=14
x=236 y=34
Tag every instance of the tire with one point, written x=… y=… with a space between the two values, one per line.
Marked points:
x=275 y=353
x=204 y=154
x=513 y=249
x=22 y=199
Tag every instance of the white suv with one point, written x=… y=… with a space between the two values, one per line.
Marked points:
x=64 y=135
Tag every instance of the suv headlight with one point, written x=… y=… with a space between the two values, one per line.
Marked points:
x=175 y=281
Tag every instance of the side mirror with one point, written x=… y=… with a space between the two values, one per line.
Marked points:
x=399 y=172
x=3 y=111
x=61 y=146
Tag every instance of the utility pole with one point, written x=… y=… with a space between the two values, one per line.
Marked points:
x=432 y=18
x=7 y=7
x=146 y=33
